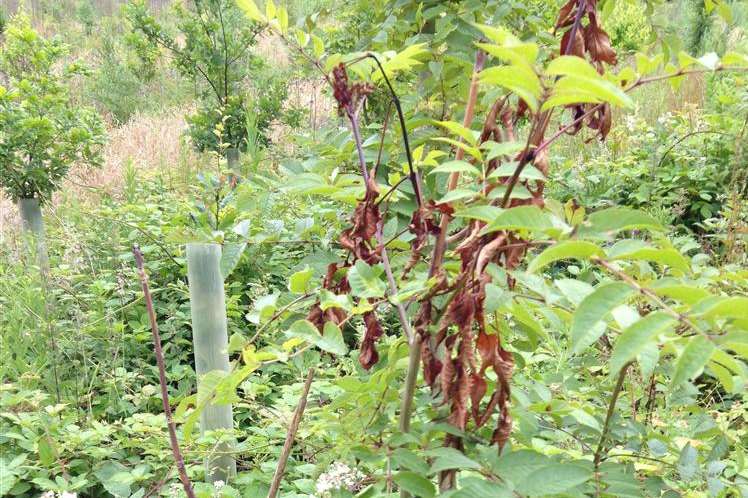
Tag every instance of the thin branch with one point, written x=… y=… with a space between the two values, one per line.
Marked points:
x=441 y=242
x=406 y=409
x=290 y=436
x=609 y=416
x=162 y=374
x=412 y=174
x=647 y=292
x=276 y=316
x=353 y=118
x=414 y=356
x=381 y=140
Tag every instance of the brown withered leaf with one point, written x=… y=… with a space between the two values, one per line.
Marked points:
x=577 y=47
x=478 y=389
x=566 y=14
x=366 y=217
x=368 y=356
x=602 y=121
x=432 y=367
x=341 y=91
x=598 y=43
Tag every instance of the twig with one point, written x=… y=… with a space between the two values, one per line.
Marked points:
x=162 y=374
x=441 y=242
x=276 y=316
x=647 y=292
x=412 y=173
x=290 y=436
x=609 y=416
x=404 y=322
x=406 y=409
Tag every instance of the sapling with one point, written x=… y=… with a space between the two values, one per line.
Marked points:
x=210 y=46
x=210 y=338
x=41 y=133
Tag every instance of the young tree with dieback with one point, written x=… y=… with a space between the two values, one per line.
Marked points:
x=42 y=131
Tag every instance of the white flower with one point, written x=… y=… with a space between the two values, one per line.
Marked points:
x=219 y=484
x=47 y=494
x=66 y=494
x=338 y=476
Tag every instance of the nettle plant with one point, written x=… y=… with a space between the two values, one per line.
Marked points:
x=465 y=250
x=42 y=133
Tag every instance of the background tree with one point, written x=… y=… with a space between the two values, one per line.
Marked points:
x=209 y=45
x=41 y=133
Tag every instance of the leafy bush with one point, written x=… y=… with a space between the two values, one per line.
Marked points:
x=41 y=133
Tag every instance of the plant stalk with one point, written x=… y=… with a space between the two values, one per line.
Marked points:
x=609 y=416
x=290 y=436
x=186 y=484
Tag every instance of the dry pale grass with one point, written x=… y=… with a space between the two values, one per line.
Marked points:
x=149 y=143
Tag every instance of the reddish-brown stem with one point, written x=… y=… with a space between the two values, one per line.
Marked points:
x=291 y=436
x=176 y=452
x=441 y=241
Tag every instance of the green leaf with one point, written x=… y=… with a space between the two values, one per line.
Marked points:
x=468 y=135
x=688 y=294
x=283 y=18
x=688 y=462
x=263 y=309
x=332 y=340
x=571 y=65
x=484 y=213
x=402 y=61
x=555 y=478
x=407 y=459
x=115 y=478
x=415 y=484
x=251 y=10
x=473 y=151
x=456 y=195
x=450 y=458
x=612 y=220
x=731 y=307
x=583 y=86
x=635 y=338
x=570 y=249
x=456 y=167
x=230 y=256
x=692 y=360
x=520 y=218
x=479 y=487
x=497 y=149
x=318 y=46
x=45 y=447
x=366 y=280
x=519 y=79
x=529 y=172
x=723 y=375
x=669 y=257
x=299 y=281
x=574 y=290
x=593 y=310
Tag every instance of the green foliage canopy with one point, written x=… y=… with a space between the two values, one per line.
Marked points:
x=41 y=133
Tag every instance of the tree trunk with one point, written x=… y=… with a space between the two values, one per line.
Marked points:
x=232 y=158
x=210 y=338
x=33 y=225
